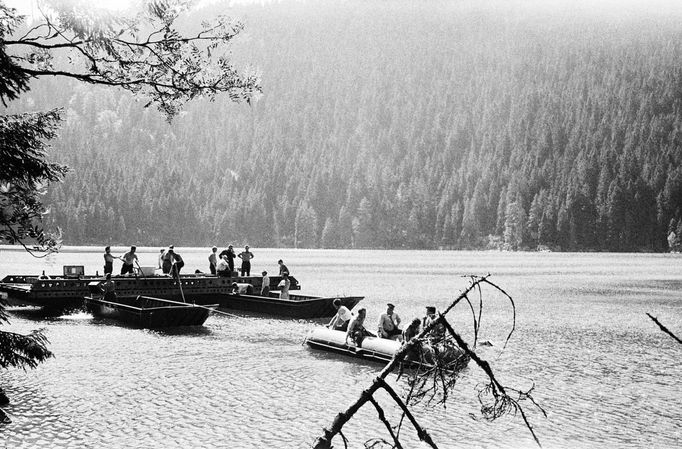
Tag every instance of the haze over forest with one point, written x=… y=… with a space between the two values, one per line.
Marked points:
x=401 y=124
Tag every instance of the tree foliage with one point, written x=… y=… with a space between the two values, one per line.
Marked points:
x=21 y=351
x=398 y=134
x=147 y=55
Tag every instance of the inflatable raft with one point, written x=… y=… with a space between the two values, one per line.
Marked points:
x=378 y=349
x=373 y=348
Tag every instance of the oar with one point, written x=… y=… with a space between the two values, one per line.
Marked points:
x=140 y=268
x=195 y=305
x=179 y=281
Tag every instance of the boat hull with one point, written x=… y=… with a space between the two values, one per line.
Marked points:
x=149 y=312
x=297 y=306
x=373 y=348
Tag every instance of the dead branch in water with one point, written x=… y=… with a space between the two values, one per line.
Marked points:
x=440 y=354
x=664 y=329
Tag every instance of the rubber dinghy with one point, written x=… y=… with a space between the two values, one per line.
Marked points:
x=373 y=348
x=377 y=349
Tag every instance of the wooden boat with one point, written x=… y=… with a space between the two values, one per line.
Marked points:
x=147 y=312
x=372 y=348
x=297 y=306
x=68 y=289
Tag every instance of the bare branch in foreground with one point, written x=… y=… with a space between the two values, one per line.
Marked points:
x=664 y=329
x=439 y=353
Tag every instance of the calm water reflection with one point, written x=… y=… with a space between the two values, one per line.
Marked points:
x=602 y=370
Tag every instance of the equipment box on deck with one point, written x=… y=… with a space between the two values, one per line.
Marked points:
x=74 y=271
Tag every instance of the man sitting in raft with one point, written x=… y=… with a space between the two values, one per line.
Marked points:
x=420 y=351
x=437 y=334
x=388 y=324
x=341 y=319
x=356 y=329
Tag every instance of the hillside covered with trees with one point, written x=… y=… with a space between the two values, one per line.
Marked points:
x=398 y=124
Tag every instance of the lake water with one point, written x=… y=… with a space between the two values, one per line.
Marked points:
x=603 y=371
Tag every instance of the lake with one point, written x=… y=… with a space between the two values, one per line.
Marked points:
x=603 y=371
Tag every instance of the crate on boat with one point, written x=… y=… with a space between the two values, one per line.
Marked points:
x=74 y=271
x=147 y=271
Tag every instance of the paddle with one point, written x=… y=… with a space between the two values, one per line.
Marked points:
x=173 y=270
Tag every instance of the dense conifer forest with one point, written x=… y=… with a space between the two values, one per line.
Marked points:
x=402 y=124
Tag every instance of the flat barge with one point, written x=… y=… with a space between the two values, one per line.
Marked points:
x=68 y=290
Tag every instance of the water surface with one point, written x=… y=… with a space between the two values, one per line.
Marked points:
x=604 y=373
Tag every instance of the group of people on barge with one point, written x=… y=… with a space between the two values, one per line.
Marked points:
x=388 y=325
x=169 y=261
x=128 y=260
x=220 y=264
x=223 y=264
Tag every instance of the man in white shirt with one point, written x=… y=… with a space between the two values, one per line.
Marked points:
x=265 y=286
x=388 y=324
x=342 y=317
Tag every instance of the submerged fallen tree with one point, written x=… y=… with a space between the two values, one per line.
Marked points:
x=435 y=378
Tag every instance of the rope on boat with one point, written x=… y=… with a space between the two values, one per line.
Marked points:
x=220 y=312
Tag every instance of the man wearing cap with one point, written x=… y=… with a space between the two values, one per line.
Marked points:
x=342 y=317
x=388 y=324
x=438 y=332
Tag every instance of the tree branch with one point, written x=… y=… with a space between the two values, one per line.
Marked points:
x=382 y=418
x=664 y=329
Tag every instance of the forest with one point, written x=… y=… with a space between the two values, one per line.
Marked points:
x=431 y=125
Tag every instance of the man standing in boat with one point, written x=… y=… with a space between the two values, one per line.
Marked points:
x=128 y=259
x=282 y=268
x=284 y=285
x=108 y=288
x=246 y=257
x=389 y=322
x=176 y=261
x=108 y=261
x=229 y=253
x=265 y=285
x=162 y=253
x=213 y=260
